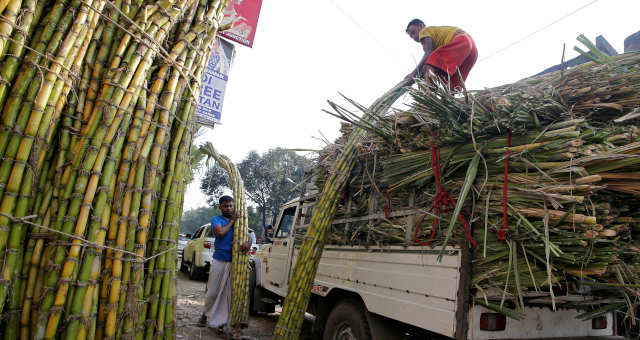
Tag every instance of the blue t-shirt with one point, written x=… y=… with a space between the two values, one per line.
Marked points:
x=223 y=245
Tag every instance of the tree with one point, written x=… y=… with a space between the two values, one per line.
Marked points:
x=214 y=183
x=268 y=180
x=195 y=218
x=254 y=221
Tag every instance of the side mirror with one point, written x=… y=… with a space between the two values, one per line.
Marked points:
x=188 y=236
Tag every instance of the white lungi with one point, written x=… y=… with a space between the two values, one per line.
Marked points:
x=217 y=302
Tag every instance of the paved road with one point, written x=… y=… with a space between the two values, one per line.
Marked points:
x=190 y=301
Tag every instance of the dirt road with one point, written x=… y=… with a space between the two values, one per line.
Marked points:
x=190 y=301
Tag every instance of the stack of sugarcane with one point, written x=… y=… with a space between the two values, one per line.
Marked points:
x=543 y=174
x=240 y=260
x=304 y=272
x=97 y=99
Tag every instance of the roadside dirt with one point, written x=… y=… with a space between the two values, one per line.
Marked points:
x=189 y=309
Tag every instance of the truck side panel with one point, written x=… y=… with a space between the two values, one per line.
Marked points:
x=407 y=284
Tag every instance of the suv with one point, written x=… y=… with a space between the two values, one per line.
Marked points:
x=197 y=253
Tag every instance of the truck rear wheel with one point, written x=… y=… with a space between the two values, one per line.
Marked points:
x=347 y=321
x=257 y=296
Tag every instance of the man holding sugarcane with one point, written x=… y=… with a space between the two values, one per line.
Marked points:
x=217 y=304
x=449 y=53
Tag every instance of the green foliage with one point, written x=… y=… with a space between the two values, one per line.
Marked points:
x=214 y=183
x=254 y=221
x=193 y=219
x=268 y=180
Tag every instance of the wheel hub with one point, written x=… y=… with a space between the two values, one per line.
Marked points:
x=345 y=332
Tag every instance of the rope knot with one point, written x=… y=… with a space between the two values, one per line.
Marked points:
x=442 y=202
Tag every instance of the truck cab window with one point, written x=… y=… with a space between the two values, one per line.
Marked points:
x=284 y=228
x=307 y=215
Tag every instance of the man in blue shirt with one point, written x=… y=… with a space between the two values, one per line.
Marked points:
x=217 y=305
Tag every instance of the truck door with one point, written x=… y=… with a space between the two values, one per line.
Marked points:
x=280 y=251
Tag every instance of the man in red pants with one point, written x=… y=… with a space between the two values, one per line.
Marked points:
x=447 y=49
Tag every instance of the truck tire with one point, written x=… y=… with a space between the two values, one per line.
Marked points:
x=252 y=288
x=194 y=273
x=256 y=296
x=347 y=321
x=183 y=266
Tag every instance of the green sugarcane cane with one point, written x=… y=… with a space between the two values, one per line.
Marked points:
x=290 y=320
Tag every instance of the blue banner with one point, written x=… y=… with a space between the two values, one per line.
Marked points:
x=209 y=109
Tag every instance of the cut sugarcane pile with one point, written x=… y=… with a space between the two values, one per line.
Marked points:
x=557 y=226
x=97 y=99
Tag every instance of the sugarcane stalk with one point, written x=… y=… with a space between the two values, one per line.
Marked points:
x=165 y=309
x=32 y=129
x=13 y=261
x=30 y=17
x=9 y=14
x=290 y=320
x=239 y=271
x=89 y=266
x=156 y=310
x=18 y=106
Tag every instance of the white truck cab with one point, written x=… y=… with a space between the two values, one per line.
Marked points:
x=396 y=292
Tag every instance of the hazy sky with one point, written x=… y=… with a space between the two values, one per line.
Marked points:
x=305 y=52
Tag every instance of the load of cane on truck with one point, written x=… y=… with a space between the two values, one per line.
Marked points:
x=540 y=179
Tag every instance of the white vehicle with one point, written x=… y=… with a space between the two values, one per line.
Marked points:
x=394 y=292
x=198 y=252
x=182 y=242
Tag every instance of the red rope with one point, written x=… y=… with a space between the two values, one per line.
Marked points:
x=443 y=202
x=502 y=233
x=387 y=208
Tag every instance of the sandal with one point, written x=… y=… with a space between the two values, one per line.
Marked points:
x=202 y=322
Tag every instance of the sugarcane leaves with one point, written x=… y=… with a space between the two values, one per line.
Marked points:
x=596 y=55
x=215 y=181
x=512 y=313
x=374 y=122
x=600 y=311
x=486 y=224
x=472 y=171
x=514 y=246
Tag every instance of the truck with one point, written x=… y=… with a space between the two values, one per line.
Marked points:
x=397 y=292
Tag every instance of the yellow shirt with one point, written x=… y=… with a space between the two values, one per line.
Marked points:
x=441 y=35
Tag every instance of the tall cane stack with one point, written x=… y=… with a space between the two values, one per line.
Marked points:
x=239 y=260
x=304 y=272
x=97 y=101
x=541 y=176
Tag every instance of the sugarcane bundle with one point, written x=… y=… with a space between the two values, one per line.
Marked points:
x=97 y=103
x=304 y=272
x=541 y=175
x=240 y=260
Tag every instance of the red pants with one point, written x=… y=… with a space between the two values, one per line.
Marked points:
x=460 y=53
